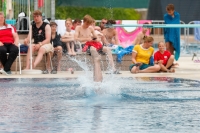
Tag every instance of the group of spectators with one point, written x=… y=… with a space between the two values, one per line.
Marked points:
x=143 y=57
x=95 y=40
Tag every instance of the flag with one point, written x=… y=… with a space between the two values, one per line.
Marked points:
x=40 y=3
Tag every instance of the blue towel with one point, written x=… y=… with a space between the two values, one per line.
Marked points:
x=127 y=50
x=173 y=34
x=197 y=31
x=117 y=50
x=151 y=61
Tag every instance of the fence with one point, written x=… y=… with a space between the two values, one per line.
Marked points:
x=158 y=34
x=188 y=42
x=193 y=39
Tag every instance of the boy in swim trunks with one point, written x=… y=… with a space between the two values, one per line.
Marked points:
x=83 y=34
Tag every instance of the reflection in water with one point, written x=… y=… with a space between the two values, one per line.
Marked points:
x=147 y=104
x=96 y=121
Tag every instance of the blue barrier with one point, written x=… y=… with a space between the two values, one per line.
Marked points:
x=156 y=25
x=11 y=21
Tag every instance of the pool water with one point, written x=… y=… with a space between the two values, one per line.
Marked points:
x=119 y=105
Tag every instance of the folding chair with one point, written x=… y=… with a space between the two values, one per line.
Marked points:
x=18 y=59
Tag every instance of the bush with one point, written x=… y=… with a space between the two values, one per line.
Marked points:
x=63 y=12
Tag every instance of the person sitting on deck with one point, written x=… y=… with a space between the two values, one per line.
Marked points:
x=110 y=35
x=68 y=37
x=164 y=58
x=57 y=44
x=140 y=36
x=102 y=23
x=141 y=57
x=41 y=33
x=83 y=35
x=9 y=41
x=75 y=23
x=97 y=32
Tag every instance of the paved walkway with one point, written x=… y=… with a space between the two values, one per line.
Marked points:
x=187 y=69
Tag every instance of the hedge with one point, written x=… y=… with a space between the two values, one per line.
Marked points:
x=63 y=12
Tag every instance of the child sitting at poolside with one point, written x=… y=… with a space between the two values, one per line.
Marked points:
x=141 y=56
x=164 y=58
x=68 y=37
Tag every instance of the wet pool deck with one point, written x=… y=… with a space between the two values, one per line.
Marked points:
x=187 y=69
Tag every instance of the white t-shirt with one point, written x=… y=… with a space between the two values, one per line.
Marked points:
x=65 y=32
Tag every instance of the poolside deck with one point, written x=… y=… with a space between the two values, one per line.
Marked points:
x=187 y=69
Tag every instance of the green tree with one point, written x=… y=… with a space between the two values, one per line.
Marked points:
x=0 y=5
x=97 y=13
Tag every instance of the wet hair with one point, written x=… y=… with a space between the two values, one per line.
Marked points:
x=170 y=7
x=53 y=23
x=88 y=19
x=1 y=13
x=68 y=19
x=37 y=12
x=148 y=39
x=111 y=22
x=77 y=21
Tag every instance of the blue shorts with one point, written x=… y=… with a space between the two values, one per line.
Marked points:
x=142 y=67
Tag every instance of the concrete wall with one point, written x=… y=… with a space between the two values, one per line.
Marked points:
x=82 y=59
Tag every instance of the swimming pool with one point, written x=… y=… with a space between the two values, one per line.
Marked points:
x=145 y=104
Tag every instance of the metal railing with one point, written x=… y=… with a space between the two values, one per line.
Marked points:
x=192 y=43
x=158 y=33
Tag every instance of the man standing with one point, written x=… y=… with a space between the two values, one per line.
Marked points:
x=172 y=35
x=41 y=33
